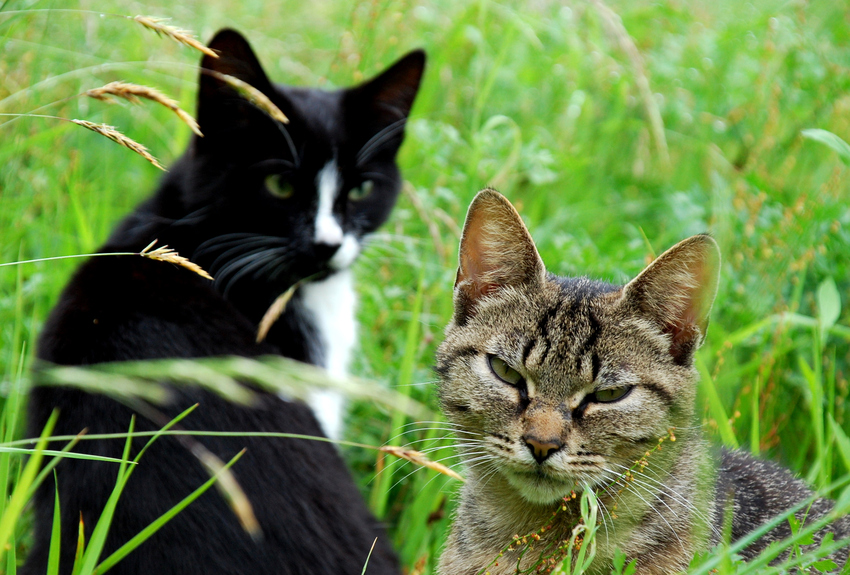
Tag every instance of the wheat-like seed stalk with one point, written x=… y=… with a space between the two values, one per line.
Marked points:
x=176 y=34
x=251 y=94
x=274 y=312
x=230 y=488
x=113 y=134
x=419 y=458
x=166 y=254
x=132 y=93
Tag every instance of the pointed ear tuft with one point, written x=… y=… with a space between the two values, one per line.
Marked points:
x=391 y=93
x=496 y=251
x=676 y=292
x=220 y=108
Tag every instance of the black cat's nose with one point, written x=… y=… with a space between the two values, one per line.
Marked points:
x=542 y=449
x=324 y=252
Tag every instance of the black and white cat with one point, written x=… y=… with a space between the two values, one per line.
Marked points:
x=261 y=206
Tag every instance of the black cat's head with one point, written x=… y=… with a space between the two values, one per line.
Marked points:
x=280 y=202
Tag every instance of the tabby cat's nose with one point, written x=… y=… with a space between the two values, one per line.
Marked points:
x=541 y=450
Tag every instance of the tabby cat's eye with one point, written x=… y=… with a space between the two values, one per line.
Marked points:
x=362 y=191
x=611 y=394
x=278 y=187
x=503 y=371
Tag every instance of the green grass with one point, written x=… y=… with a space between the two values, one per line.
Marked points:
x=549 y=104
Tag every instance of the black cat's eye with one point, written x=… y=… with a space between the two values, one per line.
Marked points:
x=504 y=372
x=363 y=191
x=611 y=394
x=279 y=187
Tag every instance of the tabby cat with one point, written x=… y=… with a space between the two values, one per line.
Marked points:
x=260 y=205
x=560 y=384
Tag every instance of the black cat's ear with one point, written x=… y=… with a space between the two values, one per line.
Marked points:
x=220 y=108
x=388 y=97
x=496 y=252
x=676 y=292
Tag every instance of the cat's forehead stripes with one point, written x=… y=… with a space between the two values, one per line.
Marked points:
x=568 y=329
x=328 y=186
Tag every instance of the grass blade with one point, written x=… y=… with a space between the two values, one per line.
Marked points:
x=148 y=531
x=718 y=412
x=366 y=564
x=55 y=533
x=101 y=528
x=20 y=494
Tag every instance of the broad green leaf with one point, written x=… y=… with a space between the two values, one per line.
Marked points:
x=829 y=306
x=831 y=140
x=825 y=566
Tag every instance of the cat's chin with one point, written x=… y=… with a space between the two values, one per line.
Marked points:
x=538 y=488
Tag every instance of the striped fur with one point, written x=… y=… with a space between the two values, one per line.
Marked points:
x=549 y=425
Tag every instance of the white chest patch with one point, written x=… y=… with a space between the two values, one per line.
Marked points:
x=330 y=304
x=328 y=185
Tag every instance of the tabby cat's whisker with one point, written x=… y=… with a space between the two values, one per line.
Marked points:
x=651 y=472
x=489 y=473
x=468 y=445
x=435 y=444
x=652 y=507
x=459 y=456
x=605 y=512
x=661 y=487
x=446 y=481
x=479 y=459
x=430 y=422
x=419 y=384
x=448 y=431
x=416 y=468
x=390 y=468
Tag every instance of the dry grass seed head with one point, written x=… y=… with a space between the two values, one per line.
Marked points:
x=419 y=459
x=182 y=36
x=166 y=254
x=251 y=94
x=132 y=93
x=274 y=312
x=120 y=139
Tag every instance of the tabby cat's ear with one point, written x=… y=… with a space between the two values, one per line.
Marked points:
x=220 y=108
x=676 y=292
x=496 y=252
x=388 y=97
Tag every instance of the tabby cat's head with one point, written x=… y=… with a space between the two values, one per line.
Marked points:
x=278 y=202
x=557 y=383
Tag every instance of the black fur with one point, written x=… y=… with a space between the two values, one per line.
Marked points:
x=126 y=308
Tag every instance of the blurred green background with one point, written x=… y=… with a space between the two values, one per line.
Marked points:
x=616 y=129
